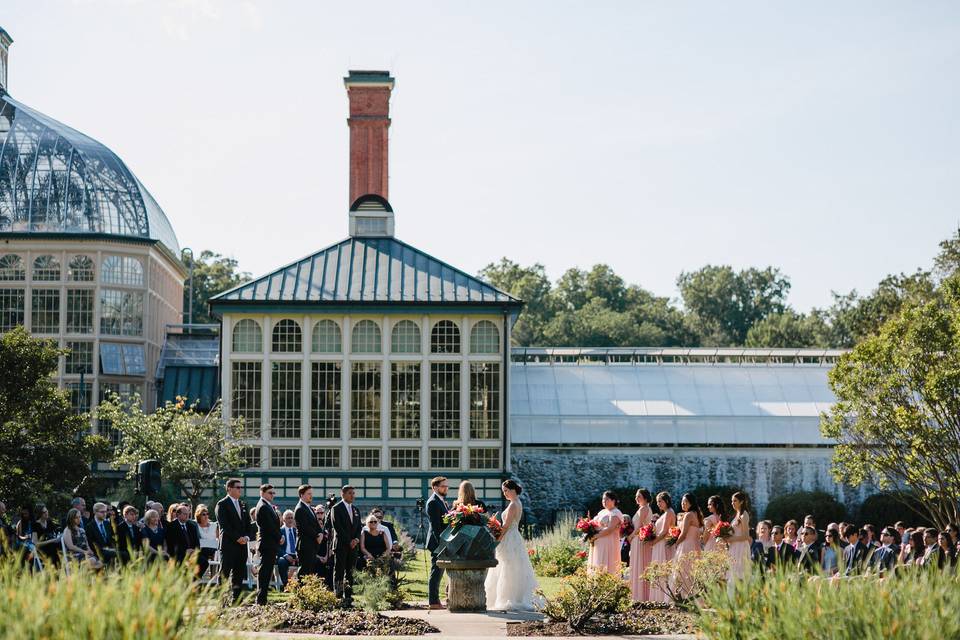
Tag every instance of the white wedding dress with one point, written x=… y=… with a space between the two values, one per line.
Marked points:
x=510 y=584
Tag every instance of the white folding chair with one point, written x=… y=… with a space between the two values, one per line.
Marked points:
x=252 y=564
x=66 y=556
x=213 y=570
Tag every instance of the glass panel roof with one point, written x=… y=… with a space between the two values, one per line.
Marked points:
x=54 y=179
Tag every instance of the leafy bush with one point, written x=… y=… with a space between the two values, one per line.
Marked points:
x=144 y=601
x=795 y=506
x=373 y=590
x=916 y=606
x=585 y=595
x=310 y=593
x=706 y=570
x=555 y=551
x=882 y=509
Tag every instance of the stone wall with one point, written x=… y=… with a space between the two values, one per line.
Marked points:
x=562 y=479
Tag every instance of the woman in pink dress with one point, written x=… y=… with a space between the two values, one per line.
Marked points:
x=661 y=552
x=738 y=544
x=715 y=507
x=640 y=551
x=605 y=546
x=687 y=547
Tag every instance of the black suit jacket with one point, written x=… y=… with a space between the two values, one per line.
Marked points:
x=809 y=558
x=343 y=529
x=854 y=557
x=96 y=541
x=785 y=555
x=307 y=530
x=129 y=540
x=268 y=527
x=180 y=541
x=233 y=525
x=435 y=512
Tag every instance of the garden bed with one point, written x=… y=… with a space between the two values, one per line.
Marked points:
x=338 y=622
x=642 y=618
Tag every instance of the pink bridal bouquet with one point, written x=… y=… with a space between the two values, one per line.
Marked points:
x=647 y=533
x=722 y=531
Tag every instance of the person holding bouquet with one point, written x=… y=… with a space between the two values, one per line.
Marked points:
x=662 y=552
x=738 y=545
x=640 y=546
x=715 y=507
x=605 y=545
x=687 y=546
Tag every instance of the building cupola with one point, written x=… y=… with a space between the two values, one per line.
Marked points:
x=371 y=216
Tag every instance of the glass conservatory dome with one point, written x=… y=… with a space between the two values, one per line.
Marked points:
x=54 y=179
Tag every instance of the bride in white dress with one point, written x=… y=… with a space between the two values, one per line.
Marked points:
x=510 y=584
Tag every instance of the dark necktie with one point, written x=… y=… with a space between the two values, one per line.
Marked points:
x=103 y=534
x=291 y=545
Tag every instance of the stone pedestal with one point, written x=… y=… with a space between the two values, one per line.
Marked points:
x=466 y=578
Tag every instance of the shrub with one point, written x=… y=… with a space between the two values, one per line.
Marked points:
x=373 y=590
x=555 y=551
x=144 y=601
x=706 y=570
x=795 y=506
x=585 y=595
x=916 y=606
x=310 y=593
x=882 y=509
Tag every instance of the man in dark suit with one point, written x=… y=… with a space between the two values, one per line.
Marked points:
x=346 y=525
x=129 y=536
x=856 y=553
x=234 y=524
x=884 y=559
x=309 y=530
x=183 y=536
x=809 y=551
x=268 y=533
x=100 y=534
x=436 y=509
x=781 y=554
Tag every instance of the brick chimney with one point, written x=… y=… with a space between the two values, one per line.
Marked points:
x=369 y=94
x=5 y=42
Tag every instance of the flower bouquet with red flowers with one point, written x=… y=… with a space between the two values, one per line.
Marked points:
x=672 y=536
x=495 y=527
x=647 y=533
x=588 y=528
x=582 y=555
x=722 y=531
x=465 y=514
x=626 y=527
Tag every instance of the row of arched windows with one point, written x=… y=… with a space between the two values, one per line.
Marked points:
x=287 y=337
x=46 y=268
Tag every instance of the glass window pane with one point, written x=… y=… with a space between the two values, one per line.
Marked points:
x=285 y=392
x=365 y=458
x=80 y=358
x=285 y=458
x=485 y=338
x=133 y=360
x=325 y=458
x=485 y=400
x=365 y=337
x=408 y=458
x=405 y=337
x=246 y=403
x=12 y=305
x=405 y=400
x=485 y=458
x=327 y=337
x=445 y=400
x=287 y=337
x=111 y=359
x=124 y=270
x=365 y=400
x=121 y=312
x=325 y=400
x=11 y=268
x=247 y=337
x=445 y=337
x=46 y=269
x=252 y=457
x=45 y=313
x=81 y=269
x=79 y=310
x=444 y=458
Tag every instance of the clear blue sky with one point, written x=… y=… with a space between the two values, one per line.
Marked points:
x=820 y=137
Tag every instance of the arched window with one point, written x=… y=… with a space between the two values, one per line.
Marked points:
x=81 y=269
x=445 y=337
x=327 y=337
x=405 y=337
x=365 y=337
x=287 y=337
x=11 y=267
x=247 y=336
x=122 y=270
x=46 y=269
x=484 y=338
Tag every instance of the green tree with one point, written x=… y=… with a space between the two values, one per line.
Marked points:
x=212 y=274
x=531 y=285
x=723 y=304
x=788 y=329
x=947 y=261
x=44 y=449
x=897 y=416
x=194 y=449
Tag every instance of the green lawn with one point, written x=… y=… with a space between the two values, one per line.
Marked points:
x=418 y=573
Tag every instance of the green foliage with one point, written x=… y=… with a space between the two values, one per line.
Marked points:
x=194 y=449
x=531 y=285
x=373 y=589
x=555 y=551
x=788 y=329
x=212 y=274
x=585 y=595
x=44 y=449
x=916 y=606
x=140 y=601
x=796 y=506
x=897 y=416
x=310 y=593
x=704 y=571
x=882 y=509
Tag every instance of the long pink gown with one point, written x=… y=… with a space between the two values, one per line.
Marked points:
x=661 y=553
x=685 y=553
x=640 y=554
x=710 y=544
x=605 y=551
x=739 y=551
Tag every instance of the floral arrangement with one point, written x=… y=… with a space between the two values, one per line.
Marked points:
x=464 y=514
x=722 y=531
x=582 y=555
x=495 y=527
x=672 y=536
x=531 y=552
x=647 y=533
x=588 y=528
x=626 y=527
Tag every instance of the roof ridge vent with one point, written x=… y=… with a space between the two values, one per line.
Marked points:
x=371 y=216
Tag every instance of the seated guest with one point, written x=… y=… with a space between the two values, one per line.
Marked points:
x=780 y=554
x=954 y=534
x=760 y=547
x=855 y=554
x=903 y=538
x=869 y=533
x=129 y=537
x=809 y=551
x=839 y=531
x=288 y=550
x=831 y=553
x=154 y=535
x=75 y=540
x=791 y=533
x=80 y=505
x=948 y=552
x=932 y=558
x=915 y=549
x=884 y=559
x=100 y=534
x=182 y=536
x=378 y=512
x=172 y=513
x=46 y=535
x=374 y=542
x=23 y=533
x=209 y=538
x=810 y=521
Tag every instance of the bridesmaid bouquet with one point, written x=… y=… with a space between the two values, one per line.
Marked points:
x=588 y=528
x=626 y=527
x=647 y=533
x=672 y=536
x=722 y=531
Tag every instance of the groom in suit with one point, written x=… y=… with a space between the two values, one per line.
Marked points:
x=436 y=508
x=346 y=524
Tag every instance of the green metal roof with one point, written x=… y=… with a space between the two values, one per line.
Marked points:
x=375 y=271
